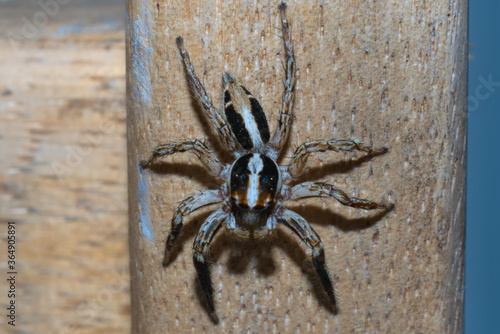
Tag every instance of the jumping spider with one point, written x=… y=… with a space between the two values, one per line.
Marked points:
x=254 y=187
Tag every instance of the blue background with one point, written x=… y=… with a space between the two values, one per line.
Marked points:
x=482 y=267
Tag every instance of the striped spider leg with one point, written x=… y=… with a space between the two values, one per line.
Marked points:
x=305 y=232
x=285 y=118
x=201 y=246
x=299 y=158
x=198 y=147
x=322 y=189
x=253 y=187
x=213 y=114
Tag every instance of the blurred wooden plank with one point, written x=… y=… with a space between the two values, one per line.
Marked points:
x=63 y=175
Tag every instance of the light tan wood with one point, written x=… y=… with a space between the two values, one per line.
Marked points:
x=63 y=170
x=387 y=73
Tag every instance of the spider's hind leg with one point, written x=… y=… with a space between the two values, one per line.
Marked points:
x=200 y=247
x=301 y=227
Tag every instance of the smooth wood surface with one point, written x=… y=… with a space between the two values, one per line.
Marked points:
x=63 y=168
x=387 y=73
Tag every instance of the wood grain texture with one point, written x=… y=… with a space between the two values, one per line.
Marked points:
x=386 y=73
x=63 y=170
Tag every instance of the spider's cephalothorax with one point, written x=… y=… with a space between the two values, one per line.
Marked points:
x=254 y=182
x=253 y=188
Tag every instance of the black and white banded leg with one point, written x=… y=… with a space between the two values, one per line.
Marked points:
x=299 y=158
x=285 y=118
x=301 y=227
x=186 y=207
x=218 y=121
x=321 y=189
x=199 y=148
x=200 y=247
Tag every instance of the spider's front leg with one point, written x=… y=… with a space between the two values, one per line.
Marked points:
x=299 y=158
x=215 y=117
x=200 y=247
x=204 y=154
x=301 y=227
x=187 y=206
x=285 y=118
x=321 y=189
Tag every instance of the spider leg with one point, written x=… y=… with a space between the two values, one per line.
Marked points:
x=301 y=227
x=199 y=148
x=187 y=206
x=215 y=117
x=200 y=247
x=285 y=117
x=321 y=189
x=299 y=158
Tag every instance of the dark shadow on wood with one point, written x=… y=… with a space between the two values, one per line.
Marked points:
x=316 y=215
x=194 y=172
x=337 y=167
x=242 y=252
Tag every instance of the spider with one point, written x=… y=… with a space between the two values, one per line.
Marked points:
x=253 y=187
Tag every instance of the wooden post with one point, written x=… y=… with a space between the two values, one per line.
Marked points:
x=387 y=73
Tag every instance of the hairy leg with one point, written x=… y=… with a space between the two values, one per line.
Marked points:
x=218 y=121
x=187 y=206
x=206 y=156
x=200 y=247
x=285 y=118
x=301 y=227
x=321 y=189
x=299 y=158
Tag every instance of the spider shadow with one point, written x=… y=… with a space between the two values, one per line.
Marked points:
x=314 y=214
x=188 y=232
x=243 y=252
x=337 y=167
x=295 y=249
x=241 y=256
x=317 y=215
x=194 y=172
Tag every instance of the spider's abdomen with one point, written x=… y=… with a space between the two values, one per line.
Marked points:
x=254 y=182
x=244 y=114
